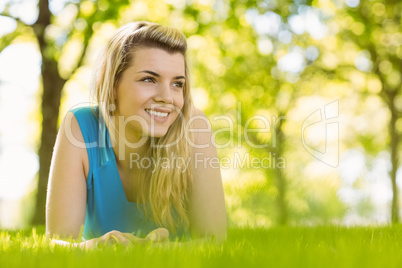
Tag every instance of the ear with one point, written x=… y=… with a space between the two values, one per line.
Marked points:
x=114 y=101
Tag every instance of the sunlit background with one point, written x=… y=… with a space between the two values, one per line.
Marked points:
x=276 y=58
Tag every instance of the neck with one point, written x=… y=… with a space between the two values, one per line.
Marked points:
x=128 y=145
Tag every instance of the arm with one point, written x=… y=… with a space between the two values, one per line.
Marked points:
x=66 y=195
x=207 y=211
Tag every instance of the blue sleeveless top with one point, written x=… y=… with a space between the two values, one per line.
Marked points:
x=107 y=205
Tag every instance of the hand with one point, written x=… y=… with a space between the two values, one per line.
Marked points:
x=112 y=238
x=158 y=235
x=116 y=237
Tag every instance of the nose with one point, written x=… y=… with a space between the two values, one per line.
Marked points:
x=164 y=94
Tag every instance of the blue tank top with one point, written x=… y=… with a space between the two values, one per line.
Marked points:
x=107 y=206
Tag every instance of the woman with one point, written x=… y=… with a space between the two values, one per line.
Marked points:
x=137 y=166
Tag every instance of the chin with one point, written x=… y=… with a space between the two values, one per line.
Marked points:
x=158 y=134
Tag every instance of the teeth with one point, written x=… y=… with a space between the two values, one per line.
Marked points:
x=158 y=114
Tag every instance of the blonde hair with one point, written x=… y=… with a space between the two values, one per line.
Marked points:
x=168 y=188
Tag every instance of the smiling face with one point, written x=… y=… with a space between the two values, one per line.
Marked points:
x=150 y=92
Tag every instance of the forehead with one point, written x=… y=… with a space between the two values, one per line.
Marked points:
x=159 y=61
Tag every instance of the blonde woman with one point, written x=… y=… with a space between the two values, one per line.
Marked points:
x=137 y=166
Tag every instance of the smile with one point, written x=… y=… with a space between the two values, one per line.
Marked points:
x=157 y=114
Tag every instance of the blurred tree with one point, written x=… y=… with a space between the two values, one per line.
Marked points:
x=52 y=39
x=247 y=42
x=375 y=28
x=238 y=78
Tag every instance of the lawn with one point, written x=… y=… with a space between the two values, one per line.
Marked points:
x=324 y=246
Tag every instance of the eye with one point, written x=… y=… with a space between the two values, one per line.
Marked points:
x=178 y=84
x=148 y=79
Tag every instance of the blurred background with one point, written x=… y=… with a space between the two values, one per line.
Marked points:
x=312 y=88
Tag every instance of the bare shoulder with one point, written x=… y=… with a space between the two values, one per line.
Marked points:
x=200 y=128
x=70 y=136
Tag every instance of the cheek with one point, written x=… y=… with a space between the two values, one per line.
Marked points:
x=179 y=101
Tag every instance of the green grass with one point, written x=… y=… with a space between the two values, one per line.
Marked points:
x=324 y=246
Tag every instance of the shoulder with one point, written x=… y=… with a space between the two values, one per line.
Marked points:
x=200 y=127
x=70 y=128
x=195 y=112
x=70 y=143
x=85 y=112
x=86 y=119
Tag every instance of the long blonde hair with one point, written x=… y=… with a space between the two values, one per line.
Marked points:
x=167 y=189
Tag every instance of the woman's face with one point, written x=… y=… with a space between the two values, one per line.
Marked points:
x=150 y=92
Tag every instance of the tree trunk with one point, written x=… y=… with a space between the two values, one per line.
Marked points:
x=278 y=144
x=394 y=161
x=281 y=201
x=52 y=88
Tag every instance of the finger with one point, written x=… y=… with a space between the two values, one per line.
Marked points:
x=134 y=239
x=106 y=239
x=158 y=235
x=120 y=238
x=109 y=239
x=163 y=234
x=114 y=237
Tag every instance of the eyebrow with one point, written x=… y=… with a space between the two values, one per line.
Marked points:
x=158 y=75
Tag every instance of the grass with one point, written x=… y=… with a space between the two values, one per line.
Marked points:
x=324 y=246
